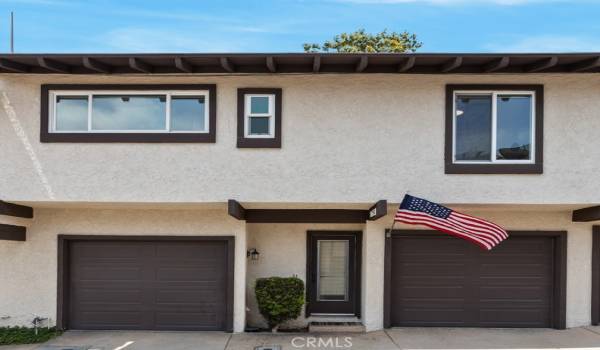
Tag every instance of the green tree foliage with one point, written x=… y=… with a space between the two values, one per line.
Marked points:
x=360 y=41
x=279 y=299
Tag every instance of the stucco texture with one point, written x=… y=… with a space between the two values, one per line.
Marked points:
x=346 y=139
x=28 y=270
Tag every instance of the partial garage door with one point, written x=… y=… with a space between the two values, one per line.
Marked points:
x=439 y=280
x=151 y=285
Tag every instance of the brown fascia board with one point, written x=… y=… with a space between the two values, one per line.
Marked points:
x=306 y=63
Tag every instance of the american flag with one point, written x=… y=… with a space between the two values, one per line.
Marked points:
x=418 y=211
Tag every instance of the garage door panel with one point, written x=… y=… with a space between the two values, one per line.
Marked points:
x=431 y=291
x=98 y=319
x=516 y=293
x=507 y=317
x=445 y=281
x=162 y=285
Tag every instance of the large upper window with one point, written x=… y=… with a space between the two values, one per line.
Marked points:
x=123 y=113
x=259 y=118
x=494 y=129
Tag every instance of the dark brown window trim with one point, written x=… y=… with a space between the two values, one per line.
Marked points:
x=62 y=312
x=47 y=136
x=596 y=276
x=246 y=142
x=559 y=316
x=535 y=168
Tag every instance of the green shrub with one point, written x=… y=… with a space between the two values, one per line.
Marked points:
x=279 y=299
x=25 y=335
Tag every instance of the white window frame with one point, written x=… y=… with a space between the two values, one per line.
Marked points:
x=54 y=94
x=494 y=94
x=248 y=115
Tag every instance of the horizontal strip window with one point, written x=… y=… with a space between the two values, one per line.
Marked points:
x=113 y=114
x=494 y=129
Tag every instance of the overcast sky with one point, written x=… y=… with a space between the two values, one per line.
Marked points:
x=284 y=25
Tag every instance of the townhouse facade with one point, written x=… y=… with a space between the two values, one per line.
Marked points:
x=151 y=191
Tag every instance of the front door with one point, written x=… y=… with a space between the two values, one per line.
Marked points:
x=333 y=272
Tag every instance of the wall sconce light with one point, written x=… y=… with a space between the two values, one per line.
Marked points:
x=252 y=253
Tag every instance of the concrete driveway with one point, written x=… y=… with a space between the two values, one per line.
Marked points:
x=392 y=339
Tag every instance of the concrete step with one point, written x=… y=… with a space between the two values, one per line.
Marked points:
x=335 y=327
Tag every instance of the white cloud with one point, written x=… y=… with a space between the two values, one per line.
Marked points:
x=547 y=43
x=151 y=40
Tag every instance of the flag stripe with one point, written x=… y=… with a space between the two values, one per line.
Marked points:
x=476 y=228
x=446 y=230
x=499 y=229
x=416 y=217
x=486 y=237
x=470 y=222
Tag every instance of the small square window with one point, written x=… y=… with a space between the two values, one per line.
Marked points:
x=259 y=118
x=259 y=126
x=259 y=104
x=494 y=129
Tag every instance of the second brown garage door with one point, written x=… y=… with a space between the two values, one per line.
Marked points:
x=439 y=280
x=150 y=285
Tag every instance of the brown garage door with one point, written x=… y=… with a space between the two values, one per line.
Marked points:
x=153 y=285
x=439 y=280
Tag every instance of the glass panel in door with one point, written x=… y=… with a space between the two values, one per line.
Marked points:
x=333 y=267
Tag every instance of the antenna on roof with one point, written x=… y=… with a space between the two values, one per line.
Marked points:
x=12 y=30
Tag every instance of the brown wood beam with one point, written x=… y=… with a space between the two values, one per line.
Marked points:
x=362 y=64
x=53 y=65
x=586 y=65
x=96 y=65
x=13 y=66
x=586 y=214
x=271 y=65
x=451 y=65
x=227 y=65
x=496 y=64
x=140 y=66
x=322 y=216
x=378 y=210
x=542 y=65
x=235 y=209
x=183 y=65
x=407 y=65
x=16 y=210
x=12 y=233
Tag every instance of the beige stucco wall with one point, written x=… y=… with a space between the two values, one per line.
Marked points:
x=28 y=270
x=283 y=253
x=282 y=250
x=346 y=139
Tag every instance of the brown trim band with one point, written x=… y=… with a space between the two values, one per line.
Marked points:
x=334 y=216
x=17 y=210
x=596 y=275
x=535 y=168
x=47 y=136
x=248 y=142
x=62 y=314
x=12 y=233
x=559 y=315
